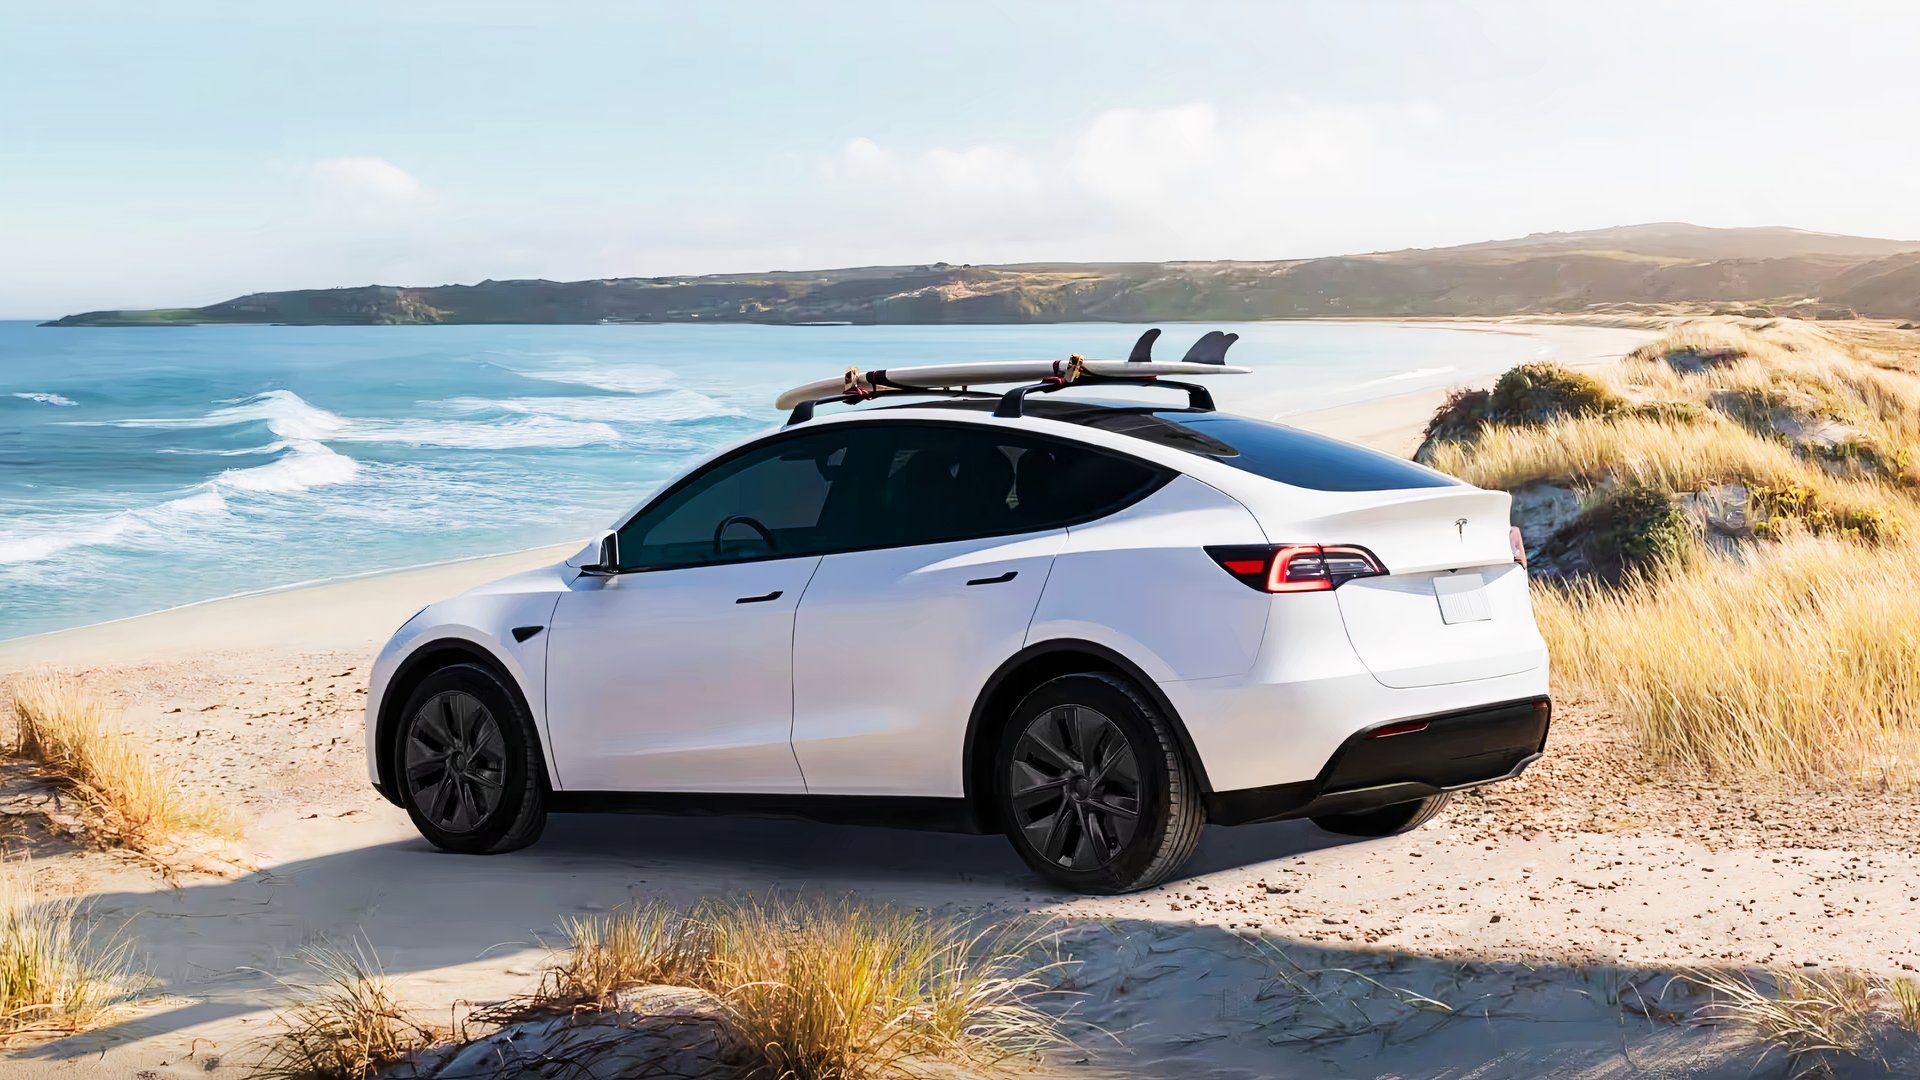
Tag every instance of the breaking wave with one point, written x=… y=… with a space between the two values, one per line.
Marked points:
x=186 y=512
x=669 y=406
x=618 y=380
x=45 y=399
x=298 y=422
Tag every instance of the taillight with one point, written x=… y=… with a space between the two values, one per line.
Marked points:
x=1283 y=568
x=1519 y=545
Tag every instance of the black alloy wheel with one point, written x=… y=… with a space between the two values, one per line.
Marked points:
x=456 y=760
x=467 y=763
x=1094 y=790
x=1075 y=786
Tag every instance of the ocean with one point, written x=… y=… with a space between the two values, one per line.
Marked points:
x=145 y=468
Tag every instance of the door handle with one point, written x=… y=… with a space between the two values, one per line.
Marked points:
x=1008 y=576
x=774 y=595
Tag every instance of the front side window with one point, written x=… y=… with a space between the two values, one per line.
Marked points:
x=767 y=502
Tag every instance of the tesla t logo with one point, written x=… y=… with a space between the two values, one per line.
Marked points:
x=1460 y=526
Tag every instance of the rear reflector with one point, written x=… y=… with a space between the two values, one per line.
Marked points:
x=1285 y=568
x=1404 y=727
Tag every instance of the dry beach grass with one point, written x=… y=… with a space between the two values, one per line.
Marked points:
x=809 y=989
x=827 y=990
x=57 y=975
x=130 y=802
x=1779 y=639
x=345 y=1021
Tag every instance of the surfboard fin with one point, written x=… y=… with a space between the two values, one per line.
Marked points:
x=1210 y=349
x=1143 y=349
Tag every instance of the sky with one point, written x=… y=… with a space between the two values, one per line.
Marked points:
x=182 y=153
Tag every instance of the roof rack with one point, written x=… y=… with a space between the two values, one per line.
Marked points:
x=1012 y=402
x=1206 y=356
x=803 y=412
x=1199 y=398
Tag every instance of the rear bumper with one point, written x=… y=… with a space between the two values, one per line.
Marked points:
x=1401 y=760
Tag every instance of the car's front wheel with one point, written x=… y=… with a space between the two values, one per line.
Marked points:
x=1093 y=788
x=468 y=763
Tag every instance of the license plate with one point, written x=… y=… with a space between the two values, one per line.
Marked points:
x=1463 y=598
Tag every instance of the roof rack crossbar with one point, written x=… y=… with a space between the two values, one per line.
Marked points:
x=1012 y=403
x=803 y=412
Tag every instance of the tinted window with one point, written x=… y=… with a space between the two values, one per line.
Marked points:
x=1274 y=451
x=951 y=483
x=850 y=488
x=770 y=501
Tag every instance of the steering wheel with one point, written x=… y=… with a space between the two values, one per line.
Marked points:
x=720 y=530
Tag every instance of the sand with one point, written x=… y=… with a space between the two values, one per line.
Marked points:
x=1533 y=909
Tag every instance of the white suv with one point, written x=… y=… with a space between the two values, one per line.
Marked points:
x=1094 y=627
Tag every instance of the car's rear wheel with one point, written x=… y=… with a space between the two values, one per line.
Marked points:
x=1388 y=820
x=468 y=764
x=1093 y=789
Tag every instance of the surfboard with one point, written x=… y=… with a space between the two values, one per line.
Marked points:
x=989 y=373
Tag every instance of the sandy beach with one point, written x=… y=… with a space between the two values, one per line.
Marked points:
x=1535 y=908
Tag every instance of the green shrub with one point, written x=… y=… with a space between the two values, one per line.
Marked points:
x=1539 y=392
x=1458 y=419
x=1526 y=396
x=1779 y=510
x=1633 y=527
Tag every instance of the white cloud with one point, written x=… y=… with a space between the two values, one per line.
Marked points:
x=1188 y=180
x=970 y=172
x=1190 y=160
x=364 y=177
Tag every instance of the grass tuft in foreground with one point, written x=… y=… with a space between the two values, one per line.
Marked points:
x=1814 y=1019
x=56 y=976
x=347 y=1024
x=633 y=945
x=129 y=801
x=826 y=990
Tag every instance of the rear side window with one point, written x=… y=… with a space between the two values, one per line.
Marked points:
x=1277 y=452
x=939 y=483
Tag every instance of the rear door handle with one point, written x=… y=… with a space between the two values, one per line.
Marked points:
x=1008 y=576
x=774 y=595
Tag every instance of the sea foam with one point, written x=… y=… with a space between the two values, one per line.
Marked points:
x=45 y=399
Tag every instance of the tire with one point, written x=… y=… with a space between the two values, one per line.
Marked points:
x=1079 y=751
x=461 y=733
x=1388 y=820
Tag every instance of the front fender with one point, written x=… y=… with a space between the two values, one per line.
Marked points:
x=472 y=628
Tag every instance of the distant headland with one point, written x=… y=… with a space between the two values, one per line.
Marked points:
x=1656 y=268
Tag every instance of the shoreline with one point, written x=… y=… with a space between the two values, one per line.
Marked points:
x=358 y=609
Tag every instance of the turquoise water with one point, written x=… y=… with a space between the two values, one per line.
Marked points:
x=146 y=468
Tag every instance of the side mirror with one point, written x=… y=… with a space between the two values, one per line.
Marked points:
x=606 y=556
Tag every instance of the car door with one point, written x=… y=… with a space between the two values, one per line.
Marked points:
x=893 y=644
x=675 y=674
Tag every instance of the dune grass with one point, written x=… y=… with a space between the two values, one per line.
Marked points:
x=56 y=975
x=129 y=801
x=348 y=1023
x=632 y=945
x=1797 y=660
x=1813 y=1018
x=826 y=990
x=1790 y=649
